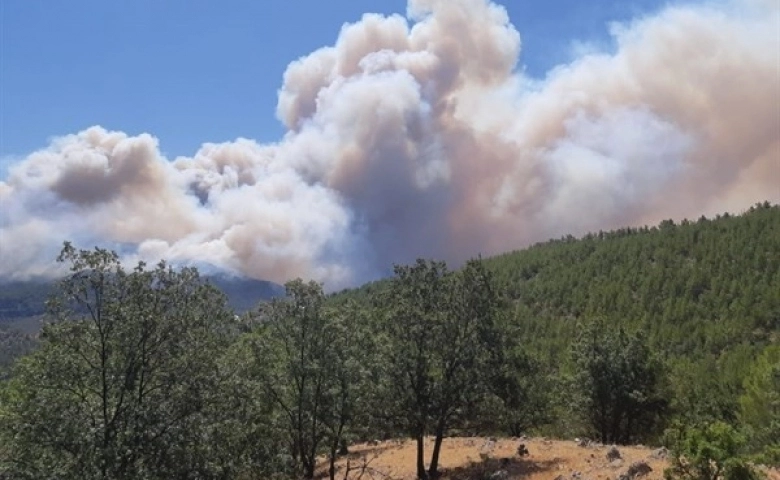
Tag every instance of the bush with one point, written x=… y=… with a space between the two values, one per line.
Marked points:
x=712 y=452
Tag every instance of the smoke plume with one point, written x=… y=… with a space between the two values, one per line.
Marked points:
x=418 y=136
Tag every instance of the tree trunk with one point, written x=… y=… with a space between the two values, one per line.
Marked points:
x=309 y=469
x=332 y=468
x=334 y=447
x=433 y=469
x=421 y=473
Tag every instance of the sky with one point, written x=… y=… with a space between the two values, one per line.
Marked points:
x=204 y=71
x=331 y=140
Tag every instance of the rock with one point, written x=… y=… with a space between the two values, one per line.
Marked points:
x=343 y=448
x=487 y=449
x=499 y=475
x=660 y=454
x=638 y=469
x=613 y=453
x=616 y=463
x=522 y=451
x=582 y=442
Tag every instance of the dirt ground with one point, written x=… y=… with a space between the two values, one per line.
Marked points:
x=473 y=458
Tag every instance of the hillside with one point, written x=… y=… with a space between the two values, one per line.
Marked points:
x=21 y=301
x=697 y=287
x=22 y=308
x=706 y=294
x=660 y=335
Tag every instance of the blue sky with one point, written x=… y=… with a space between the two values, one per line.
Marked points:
x=190 y=72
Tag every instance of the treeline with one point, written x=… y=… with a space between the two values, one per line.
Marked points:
x=655 y=335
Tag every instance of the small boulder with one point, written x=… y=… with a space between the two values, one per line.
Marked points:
x=660 y=454
x=616 y=463
x=613 y=453
x=638 y=469
x=487 y=449
x=522 y=451
x=499 y=475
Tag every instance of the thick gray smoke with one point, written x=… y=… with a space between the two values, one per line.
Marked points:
x=417 y=137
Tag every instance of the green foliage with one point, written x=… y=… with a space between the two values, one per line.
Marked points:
x=520 y=397
x=13 y=344
x=126 y=382
x=712 y=452
x=696 y=288
x=760 y=404
x=146 y=373
x=617 y=383
x=442 y=338
x=307 y=359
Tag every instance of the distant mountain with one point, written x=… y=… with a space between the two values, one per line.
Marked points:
x=22 y=299
x=26 y=299
x=245 y=293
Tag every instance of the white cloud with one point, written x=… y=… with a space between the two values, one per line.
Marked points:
x=417 y=139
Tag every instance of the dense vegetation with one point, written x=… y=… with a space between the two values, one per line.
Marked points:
x=658 y=335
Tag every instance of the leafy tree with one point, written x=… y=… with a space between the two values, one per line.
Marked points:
x=309 y=362
x=618 y=383
x=760 y=403
x=524 y=390
x=439 y=329
x=124 y=380
x=351 y=364
x=291 y=352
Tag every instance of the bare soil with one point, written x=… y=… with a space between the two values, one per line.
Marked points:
x=473 y=459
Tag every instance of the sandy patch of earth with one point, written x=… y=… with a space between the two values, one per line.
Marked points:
x=473 y=458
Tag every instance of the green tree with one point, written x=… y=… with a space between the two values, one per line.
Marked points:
x=308 y=362
x=124 y=379
x=760 y=403
x=351 y=364
x=439 y=330
x=617 y=383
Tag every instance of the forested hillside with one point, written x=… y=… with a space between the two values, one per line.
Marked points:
x=664 y=335
x=697 y=288
x=705 y=294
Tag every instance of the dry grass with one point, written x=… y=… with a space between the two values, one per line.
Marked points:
x=461 y=459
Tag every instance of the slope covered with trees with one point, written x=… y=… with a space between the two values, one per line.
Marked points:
x=656 y=335
x=705 y=294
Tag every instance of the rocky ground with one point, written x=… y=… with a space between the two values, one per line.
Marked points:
x=498 y=459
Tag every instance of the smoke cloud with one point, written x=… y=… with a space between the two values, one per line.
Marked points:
x=417 y=136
